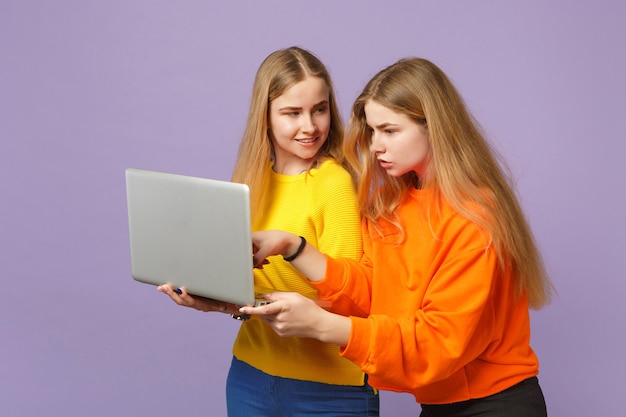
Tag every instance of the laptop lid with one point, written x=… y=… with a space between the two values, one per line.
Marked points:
x=191 y=232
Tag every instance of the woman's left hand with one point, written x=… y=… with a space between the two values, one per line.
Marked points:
x=181 y=297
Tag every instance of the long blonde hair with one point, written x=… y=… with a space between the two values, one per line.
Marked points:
x=278 y=72
x=463 y=169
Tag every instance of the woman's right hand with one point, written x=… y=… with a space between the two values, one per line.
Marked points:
x=309 y=261
x=271 y=242
x=183 y=298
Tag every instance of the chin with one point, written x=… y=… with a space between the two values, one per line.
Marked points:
x=394 y=173
x=309 y=155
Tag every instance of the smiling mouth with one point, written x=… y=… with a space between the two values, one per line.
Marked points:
x=306 y=140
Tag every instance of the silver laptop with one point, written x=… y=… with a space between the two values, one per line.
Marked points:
x=191 y=232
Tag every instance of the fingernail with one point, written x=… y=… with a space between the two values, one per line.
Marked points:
x=179 y=291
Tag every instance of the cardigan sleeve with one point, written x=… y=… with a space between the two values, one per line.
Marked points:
x=347 y=285
x=348 y=282
x=450 y=329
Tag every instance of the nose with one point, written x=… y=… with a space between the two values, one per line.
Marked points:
x=376 y=145
x=308 y=124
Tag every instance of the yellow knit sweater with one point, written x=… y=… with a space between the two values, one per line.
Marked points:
x=321 y=206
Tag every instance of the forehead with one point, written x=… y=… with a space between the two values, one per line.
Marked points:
x=376 y=114
x=311 y=90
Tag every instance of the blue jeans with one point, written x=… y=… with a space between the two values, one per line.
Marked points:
x=253 y=393
x=524 y=399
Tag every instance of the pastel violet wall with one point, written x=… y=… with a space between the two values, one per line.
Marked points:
x=88 y=88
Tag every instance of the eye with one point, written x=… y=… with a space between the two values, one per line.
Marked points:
x=321 y=110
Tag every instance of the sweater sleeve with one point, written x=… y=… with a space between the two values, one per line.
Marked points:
x=348 y=283
x=449 y=329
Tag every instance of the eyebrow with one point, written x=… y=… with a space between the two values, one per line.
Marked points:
x=383 y=125
x=321 y=103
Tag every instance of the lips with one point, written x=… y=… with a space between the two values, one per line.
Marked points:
x=308 y=142
x=384 y=164
x=311 y=140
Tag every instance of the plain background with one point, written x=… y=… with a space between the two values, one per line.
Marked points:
x=88 y=88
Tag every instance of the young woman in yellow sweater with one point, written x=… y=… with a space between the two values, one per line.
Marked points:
x=291 y=158
x=450 y=266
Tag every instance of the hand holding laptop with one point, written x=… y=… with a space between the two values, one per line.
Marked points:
x=181 y=297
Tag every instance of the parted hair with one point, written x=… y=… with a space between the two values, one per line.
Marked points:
x=462 y=168
x=278 y=72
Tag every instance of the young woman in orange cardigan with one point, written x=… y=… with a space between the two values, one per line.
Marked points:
x=439 y=303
